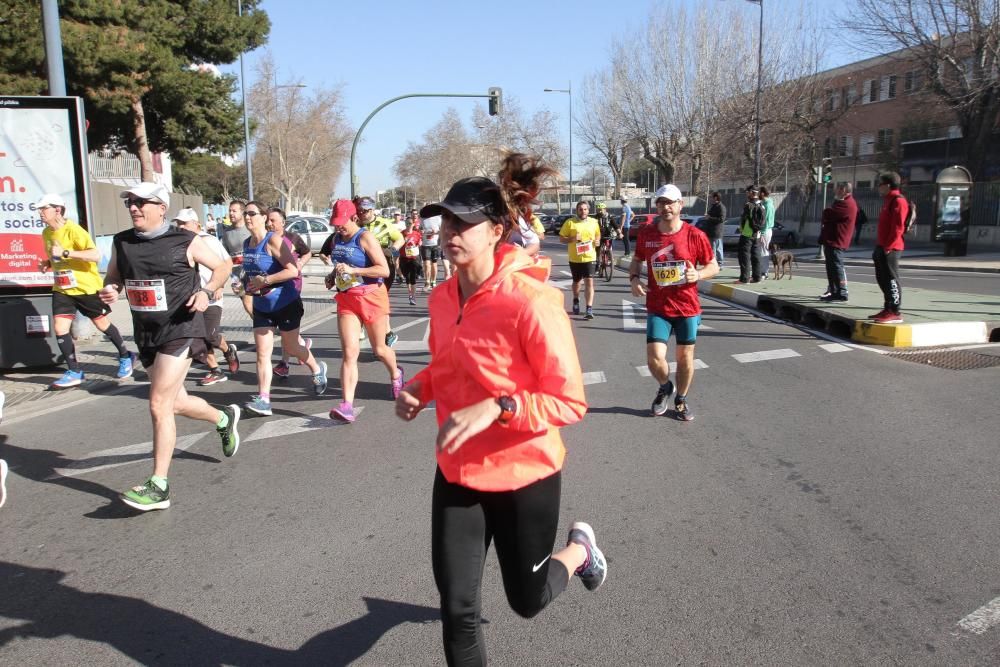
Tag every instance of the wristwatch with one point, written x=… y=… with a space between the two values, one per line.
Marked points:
x=508 y=408
x=65 y=254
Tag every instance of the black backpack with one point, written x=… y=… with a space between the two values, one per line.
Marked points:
x=910 y=223
x=757 y=216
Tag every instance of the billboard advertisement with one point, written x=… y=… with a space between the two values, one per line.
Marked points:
x=42 y=150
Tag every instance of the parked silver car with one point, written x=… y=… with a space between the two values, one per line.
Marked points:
x=314 y=230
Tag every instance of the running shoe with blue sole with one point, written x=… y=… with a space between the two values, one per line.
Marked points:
x=126 y=365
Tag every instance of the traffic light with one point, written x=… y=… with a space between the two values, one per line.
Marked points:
x=496 y=97
x=816 y=175
x=827 y=169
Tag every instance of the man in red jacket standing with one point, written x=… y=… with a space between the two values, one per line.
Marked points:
x=835 y=237
x=889 y=246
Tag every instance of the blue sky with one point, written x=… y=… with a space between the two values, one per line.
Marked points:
x=383 y=48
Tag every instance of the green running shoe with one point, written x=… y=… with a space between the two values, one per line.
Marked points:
x=230 y=436
x=147 y=497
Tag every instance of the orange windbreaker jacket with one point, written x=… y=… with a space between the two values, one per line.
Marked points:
x=512 y=338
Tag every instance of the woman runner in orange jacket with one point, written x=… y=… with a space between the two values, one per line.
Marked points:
x=504 y=375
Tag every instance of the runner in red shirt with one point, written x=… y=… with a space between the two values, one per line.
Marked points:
x=677 y=255
x=409 y=255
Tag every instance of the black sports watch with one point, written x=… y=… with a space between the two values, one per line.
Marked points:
x=508 y=408
x=65 y=254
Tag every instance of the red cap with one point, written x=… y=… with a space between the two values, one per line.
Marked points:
x=343 y=210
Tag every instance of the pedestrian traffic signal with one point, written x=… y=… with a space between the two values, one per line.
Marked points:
x=496 y=95
x=827 y=169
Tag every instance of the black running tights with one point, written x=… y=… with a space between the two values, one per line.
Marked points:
x=523 y=524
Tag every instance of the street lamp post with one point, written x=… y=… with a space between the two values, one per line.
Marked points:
x=246 y=121
x=760 y=69
x=493 y=94
x=568 y=91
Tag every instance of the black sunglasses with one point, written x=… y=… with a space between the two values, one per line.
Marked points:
x=137 y=202
x=251 y=213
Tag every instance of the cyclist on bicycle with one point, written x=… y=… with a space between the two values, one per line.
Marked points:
x=609 y=228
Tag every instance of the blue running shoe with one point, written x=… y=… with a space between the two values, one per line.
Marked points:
x=319 y=380
x=259 y=406
x=68 y=379
x=126 y=365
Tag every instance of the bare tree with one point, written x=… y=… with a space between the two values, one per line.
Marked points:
x=442 y=157
x=601 y=126
x=513 y=130
x=957 y=44
x=302 y=137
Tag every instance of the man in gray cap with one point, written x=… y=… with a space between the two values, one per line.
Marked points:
x=157 y=266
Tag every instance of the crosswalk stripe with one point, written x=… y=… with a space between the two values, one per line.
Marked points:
x=766 y=355
x=292 y=425
x=111 y=458
x=835 y=347
x=644 y=370
x=595 y=377
x=629 y=323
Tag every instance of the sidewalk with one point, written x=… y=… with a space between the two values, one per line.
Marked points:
x=99 y=358
x=932 y=317
x=922 y=256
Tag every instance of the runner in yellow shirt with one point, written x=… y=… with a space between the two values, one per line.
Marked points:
x=583 y=236
x=73 y=258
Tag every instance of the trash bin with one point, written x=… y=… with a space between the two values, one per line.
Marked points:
x=27 y=332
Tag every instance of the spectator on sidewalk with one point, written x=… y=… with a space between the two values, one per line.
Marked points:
x=765 y=234
x=835 y=233
x=889 y=247
x=751 y=226
x=716 y=228
x=626 y=225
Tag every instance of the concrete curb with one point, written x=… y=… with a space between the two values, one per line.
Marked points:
x=923 y=334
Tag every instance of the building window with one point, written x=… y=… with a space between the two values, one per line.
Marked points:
x=863 y=185
x=850 y=95
x=954 y=132
x=866 y=144
x=869 y=92
x=912 y=81
x=845 y=146
x=887 y=91
x=885 y=137
x=832 y=100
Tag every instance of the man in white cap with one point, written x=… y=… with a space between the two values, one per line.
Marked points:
x=187 y=219
x=677 y=256
x=72 y=258
x=156 y=264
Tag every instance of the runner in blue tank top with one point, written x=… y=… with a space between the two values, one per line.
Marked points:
x=272 y=276
x=359 y=267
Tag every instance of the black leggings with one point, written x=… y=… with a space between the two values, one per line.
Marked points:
x=463 y=523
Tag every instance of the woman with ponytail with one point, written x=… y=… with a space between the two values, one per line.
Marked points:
x=505 y=376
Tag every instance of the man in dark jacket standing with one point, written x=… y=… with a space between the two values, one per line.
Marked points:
x=751 y=225
x=716 y=226
x=835 y=237
x=889 y=246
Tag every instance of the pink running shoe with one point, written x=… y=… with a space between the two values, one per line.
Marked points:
x=343 y=413
x=397 y=383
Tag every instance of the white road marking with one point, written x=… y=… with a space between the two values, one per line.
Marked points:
x=107 y=458
x=110 y=458
x=835 y=347
x=407 y=345
x=292 y=425
x=644 y=370
x=766 y=355
x=629 y=323
x=595 y=377
x=982 y=619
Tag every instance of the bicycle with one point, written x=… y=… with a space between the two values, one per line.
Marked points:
x=606 y=260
